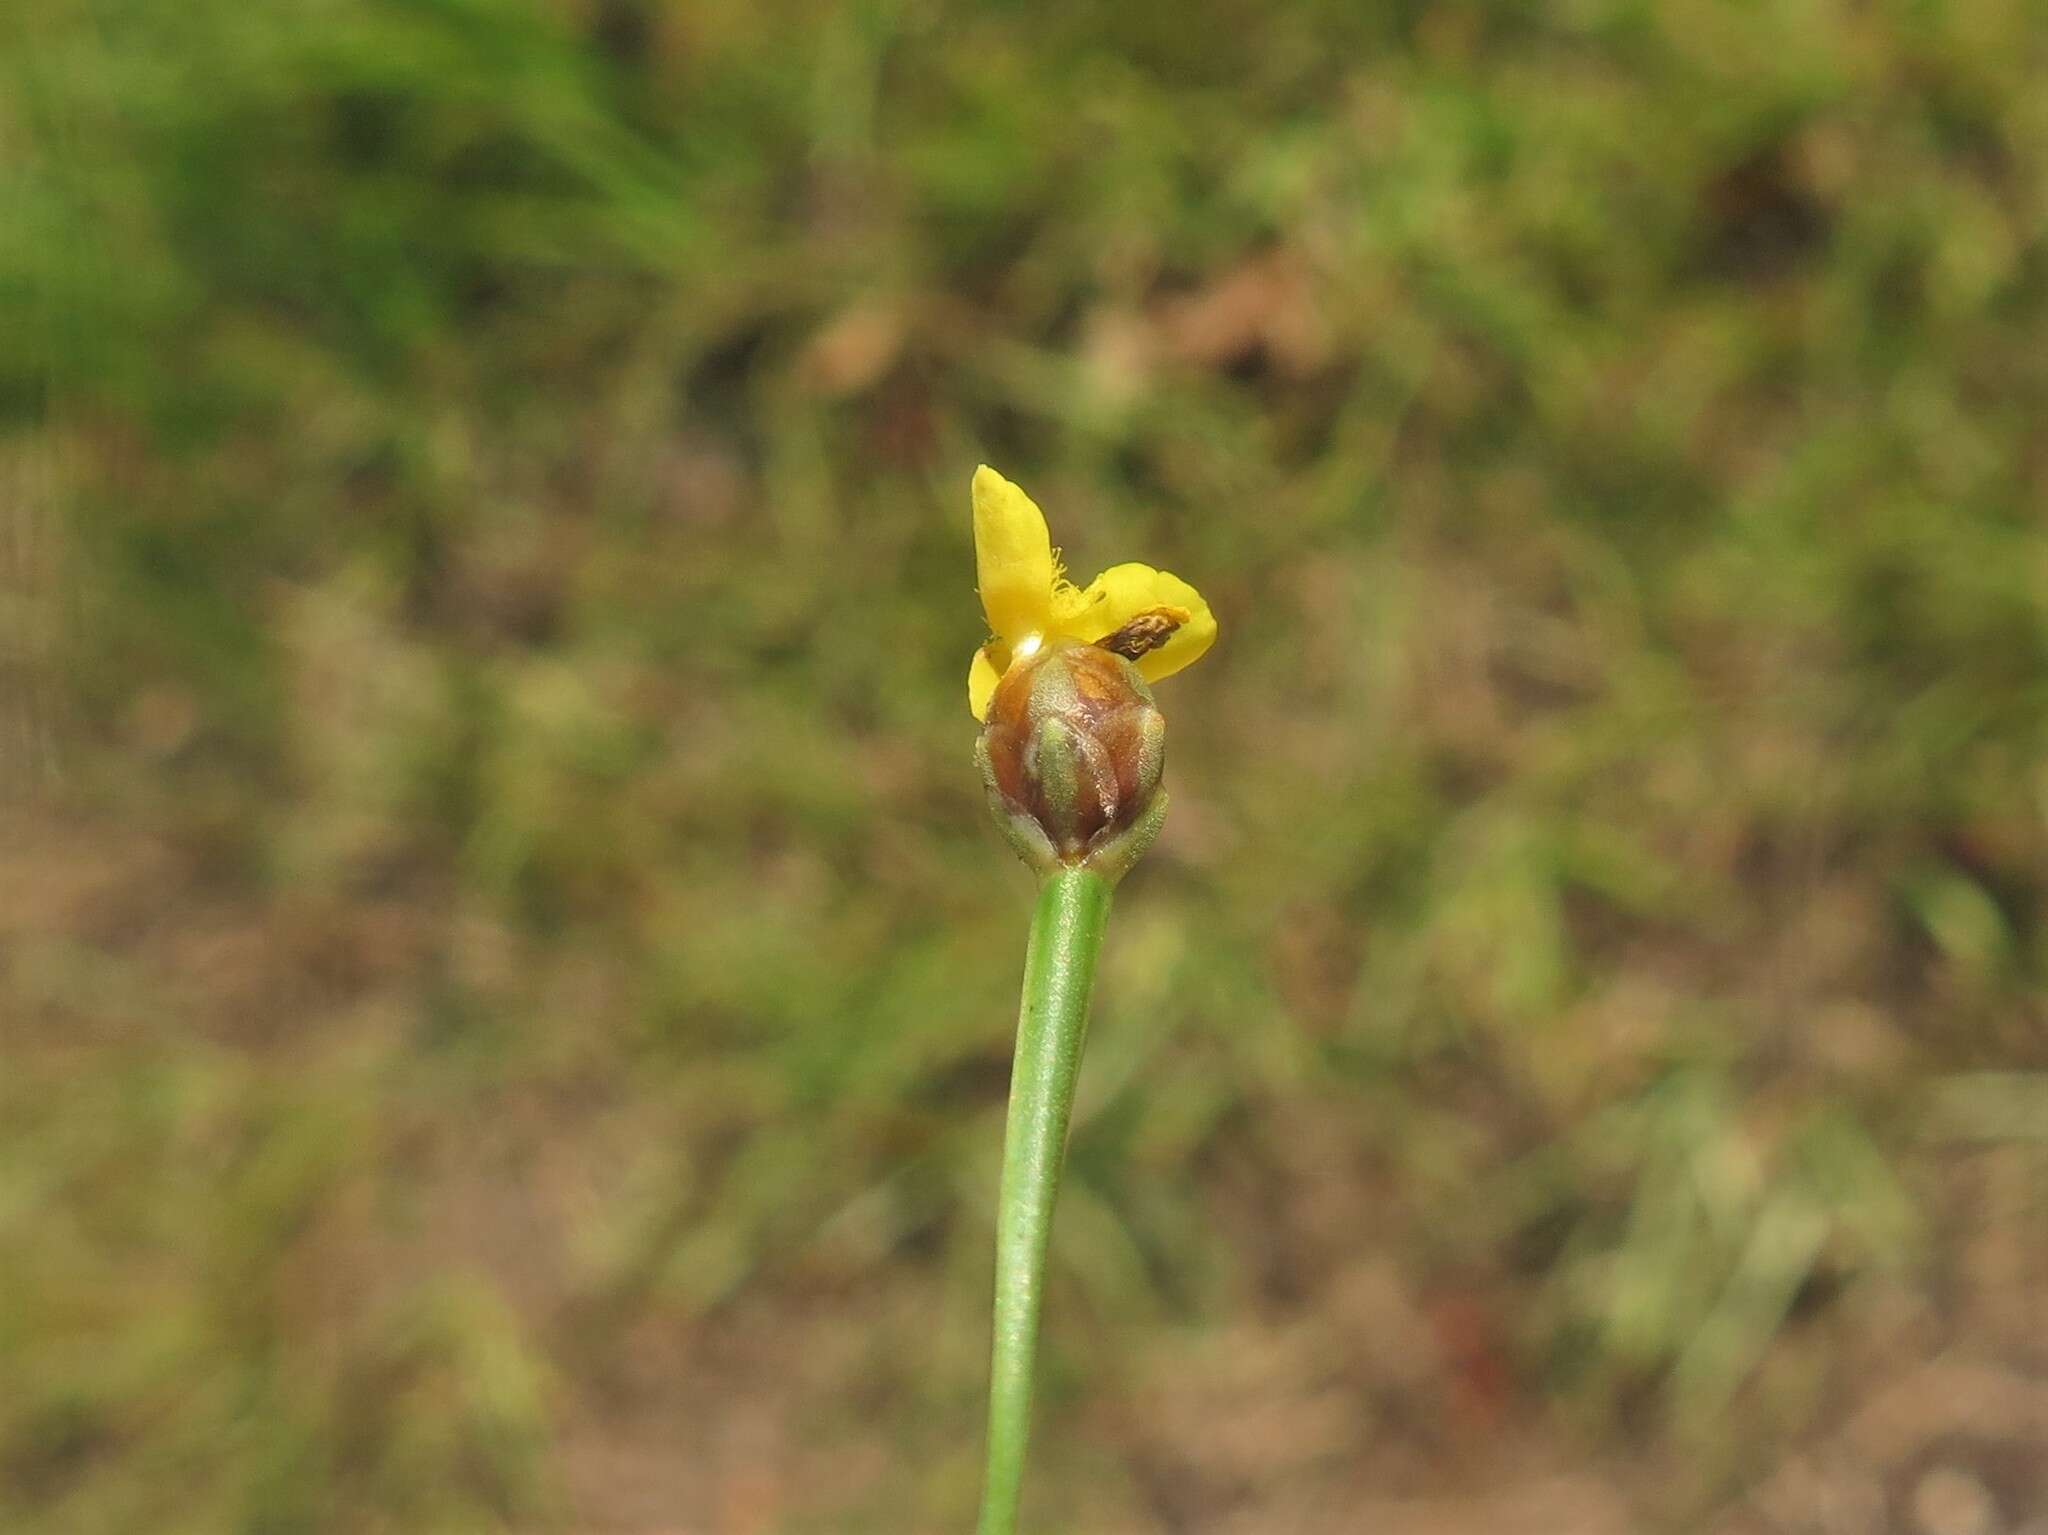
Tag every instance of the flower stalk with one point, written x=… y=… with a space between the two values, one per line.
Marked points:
x=1052 y=1024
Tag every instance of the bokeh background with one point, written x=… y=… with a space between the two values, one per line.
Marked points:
x=505 y=979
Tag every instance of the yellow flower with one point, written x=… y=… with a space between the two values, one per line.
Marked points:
x=1157 y=620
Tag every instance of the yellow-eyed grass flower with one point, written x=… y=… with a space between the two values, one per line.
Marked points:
x=1072 y=749
x=1156 y=619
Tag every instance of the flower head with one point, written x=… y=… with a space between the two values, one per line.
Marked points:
x=1155 y=620
x=1072 y=745
x=1071 y=755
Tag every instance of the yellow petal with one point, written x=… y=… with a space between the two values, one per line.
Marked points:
x=1122 y=593
x=982 y=676
x=1012 y=558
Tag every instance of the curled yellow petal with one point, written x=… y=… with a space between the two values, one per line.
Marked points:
x=1153 y=601
x=982 y=676
x=1012 y=558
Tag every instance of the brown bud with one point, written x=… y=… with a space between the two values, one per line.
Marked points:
x=1072 y=752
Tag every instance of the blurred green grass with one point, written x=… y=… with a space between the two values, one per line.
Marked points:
x=507 y=980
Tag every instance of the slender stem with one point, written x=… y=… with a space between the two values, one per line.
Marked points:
x=1059 y=970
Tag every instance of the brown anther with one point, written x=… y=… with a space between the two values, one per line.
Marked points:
x=1145 y=633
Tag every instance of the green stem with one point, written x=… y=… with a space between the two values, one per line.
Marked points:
x=1059 y=970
